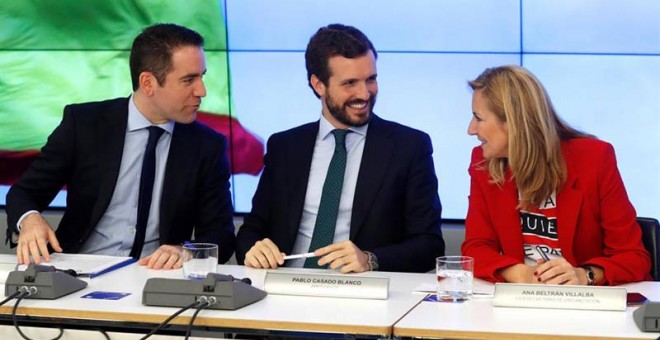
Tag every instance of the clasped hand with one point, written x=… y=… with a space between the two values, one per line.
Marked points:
x=558 y=271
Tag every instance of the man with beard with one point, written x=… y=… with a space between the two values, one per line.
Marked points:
x=365 y=183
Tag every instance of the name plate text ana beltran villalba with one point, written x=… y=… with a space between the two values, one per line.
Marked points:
x=560 y=296
x=329 y=285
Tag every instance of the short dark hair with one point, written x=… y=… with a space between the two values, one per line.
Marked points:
x=152 y=50
x=334 y=40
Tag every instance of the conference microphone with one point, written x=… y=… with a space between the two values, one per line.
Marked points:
x=222 y=291
x=45 y=282
x=231 y=278
x=647 y=317
x=44 y=268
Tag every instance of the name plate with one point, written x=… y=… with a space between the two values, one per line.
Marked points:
x=330 y=285
x=559 y=296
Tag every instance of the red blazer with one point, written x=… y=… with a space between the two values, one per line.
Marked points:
x=596 y=223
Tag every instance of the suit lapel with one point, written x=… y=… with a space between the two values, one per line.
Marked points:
x=506 y=217
x=377 y=154
x=569 y=202
x=111 y=132
x=299 y=159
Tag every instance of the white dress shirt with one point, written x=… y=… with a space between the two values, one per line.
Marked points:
x=115 y=232
x=324 y=148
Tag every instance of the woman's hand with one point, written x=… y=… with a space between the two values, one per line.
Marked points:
x=559 y=272
x=518 y=273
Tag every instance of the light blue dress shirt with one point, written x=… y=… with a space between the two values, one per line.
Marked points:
x=115 y=232
x=324 y=148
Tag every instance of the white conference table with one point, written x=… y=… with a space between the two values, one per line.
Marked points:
x=363 y=317
x=401 y=315
x=479 y=319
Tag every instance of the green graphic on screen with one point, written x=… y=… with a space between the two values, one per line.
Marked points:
x=54 y=53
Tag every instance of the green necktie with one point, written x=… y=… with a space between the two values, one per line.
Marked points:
x=326 y=219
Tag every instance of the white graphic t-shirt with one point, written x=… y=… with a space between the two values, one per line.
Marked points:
x=539 y=229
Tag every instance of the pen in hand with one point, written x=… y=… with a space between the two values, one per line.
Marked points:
x=544 y=256
x=299 y=256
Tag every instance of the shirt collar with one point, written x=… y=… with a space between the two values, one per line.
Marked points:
x=137 y=121
x=325 y=128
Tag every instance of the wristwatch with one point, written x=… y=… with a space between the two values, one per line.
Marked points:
x=591 y=276
x=372 y=260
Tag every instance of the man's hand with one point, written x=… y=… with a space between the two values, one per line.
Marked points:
x=264 y=254
x=345 y=255
x=33 y=239
x=165 y=257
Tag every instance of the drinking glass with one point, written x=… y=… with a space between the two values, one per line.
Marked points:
x=455 y=276
x=199 y=259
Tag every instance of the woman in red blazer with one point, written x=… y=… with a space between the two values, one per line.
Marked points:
x=547 y=203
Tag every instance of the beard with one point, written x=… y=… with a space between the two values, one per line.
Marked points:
x=339 y=111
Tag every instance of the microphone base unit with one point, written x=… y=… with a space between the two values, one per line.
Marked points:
x=49 y=284
x=647 y=317
x=229 y=294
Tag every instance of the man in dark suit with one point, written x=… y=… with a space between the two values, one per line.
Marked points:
x=98 y=152
x=387 y=216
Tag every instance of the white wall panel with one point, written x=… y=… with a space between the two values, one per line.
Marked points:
x=392 y=25
x=591 y=26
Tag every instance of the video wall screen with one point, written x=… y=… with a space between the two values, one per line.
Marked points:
x=599 y=61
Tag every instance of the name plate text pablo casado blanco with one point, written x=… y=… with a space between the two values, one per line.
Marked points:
x=330 y=285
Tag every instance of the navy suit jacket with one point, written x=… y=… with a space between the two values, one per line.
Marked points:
x=396 y=209
x=84 y=153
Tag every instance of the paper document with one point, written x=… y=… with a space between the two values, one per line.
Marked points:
x=86 y=264
x=478 y=290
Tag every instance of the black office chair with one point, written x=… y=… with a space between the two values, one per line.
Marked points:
x=651 y=239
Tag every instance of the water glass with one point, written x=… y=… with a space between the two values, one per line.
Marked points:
x=455 y=276
x=199 y=259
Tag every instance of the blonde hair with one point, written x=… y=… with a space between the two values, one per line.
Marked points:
x=535 y=131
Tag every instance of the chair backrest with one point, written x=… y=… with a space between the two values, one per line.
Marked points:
x=651 y=239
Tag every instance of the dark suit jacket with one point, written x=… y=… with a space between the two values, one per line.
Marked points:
x=596 y=222
x=84 y=153
x=396 y=209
